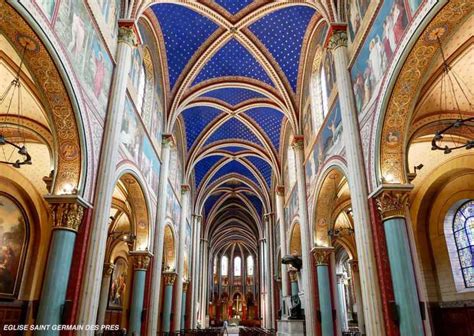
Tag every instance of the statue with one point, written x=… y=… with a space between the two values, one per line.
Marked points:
x=295 y=310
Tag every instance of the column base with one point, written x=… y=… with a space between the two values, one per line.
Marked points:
x=291 y=327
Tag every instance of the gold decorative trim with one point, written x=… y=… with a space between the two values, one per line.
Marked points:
x=185 y=286
x=321 y=254
x=298 y=142
x=170 y=278
x=337 y=39
x=141 y=259
x=392 y=203
x=293 y=274
x=66 y=211
x=108 y=269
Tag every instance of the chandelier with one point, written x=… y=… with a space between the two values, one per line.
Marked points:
x=12 y=139
x=453 y=135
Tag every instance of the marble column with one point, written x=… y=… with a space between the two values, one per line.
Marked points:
x=263 y=289
x=66 y=214
x=307 y=270
x=204 y=281
x=195 y=268
x=341 y=300
x=280 y=200
x=141 y=260
x=321 y=257
x=169 y=279
x=357 y=184
x=392 y=203
x=358 y=295
x=268 y=252
x=104 y=294
x=158 y=237
x=185 y=191
x=89 y=303
x=183 y=306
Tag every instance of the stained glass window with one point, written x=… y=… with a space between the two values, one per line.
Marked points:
x=463 y=229
x=250 y=265
x=237 y=266
x=224 y=266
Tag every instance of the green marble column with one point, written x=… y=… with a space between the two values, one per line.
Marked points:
x=321 y=256
x=141 y=260
x=169 y=278
x=66 y=213
x=392 y=205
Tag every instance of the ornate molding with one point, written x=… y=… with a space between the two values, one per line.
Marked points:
x=141 y=259
x=321 y=254
x=127 y=33
x=168 y=140
x=280 y=190
x=185 y=188
x=392 y=201
x=67 y=211
x=108 y=269
x=337 y=38
x=354 y=264
x=170 y=278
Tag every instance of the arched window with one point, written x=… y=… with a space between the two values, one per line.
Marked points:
x=250 y=265
x=237 y=266
x=324 y=93
x=463 y=230
x=215 y=266
x=291 y=166
x=224 y=266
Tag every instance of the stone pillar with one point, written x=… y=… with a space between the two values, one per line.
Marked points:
x=104 y=294
x=141 y=260
x=358 y=185
x=263 y=289
x=196 y=270
x=185 y=191
x=280 y=200
x=321 y=257
x=392 y=202
x=341 y=299
x=358 y=295
x=66 y=214
x=169 y=278
x=307 y=270
x=158 y=237
x=204 y=281
x=89 y=303
x=269 y=271
x=183 y=305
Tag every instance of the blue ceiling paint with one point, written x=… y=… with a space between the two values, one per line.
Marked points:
x=204 y=166
x=269 y=120
x=233 y=185
x=256 y=203
x=196 y=119
x=233 y=129
x=233 y=6
x=282 y=33
x=184 y=31
x=232 y=60
x=234 y=167
x=233 y=149
x=210 y=201
x=263 y=167
x=233 y=96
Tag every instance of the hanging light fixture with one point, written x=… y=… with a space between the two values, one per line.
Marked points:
x=8 y=135
x=450 y=137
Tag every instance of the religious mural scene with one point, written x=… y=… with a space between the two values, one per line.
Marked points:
x=236 y=167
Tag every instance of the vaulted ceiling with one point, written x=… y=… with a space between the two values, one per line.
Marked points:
x=234 y=73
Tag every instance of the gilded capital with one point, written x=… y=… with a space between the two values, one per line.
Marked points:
x=185 y=286
x=141 y=259
x=109 y=269
x=280 y=190
x=185 y=188
x=168 y=140
x=321 y=254
x=126 y=34
x=66 y=211
x=354 y=264
x=337 y=39
x=392 y=203
x=170 y=278
x=298 y=142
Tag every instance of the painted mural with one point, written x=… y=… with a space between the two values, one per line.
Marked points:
x=173 y=208
x=13 y=241
x=357 y=10
x=110 y=12
x=291 y=209
x=187 y=250
x=118 y=284
x=138 y=147
x=47 y=7
x=378 y=50
x=88 y=57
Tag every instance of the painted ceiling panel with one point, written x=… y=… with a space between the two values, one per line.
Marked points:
x=233 y=6
x=270 y=121
x=233 y=149
x=184 y=31
x=233 y=60
x=233 y=96
x=196 y=119
x=233 y=129
x=234 y=166
x=204 y=166
x=263 y=167
x=256 y=203
x=282 y=33
x=211 y=200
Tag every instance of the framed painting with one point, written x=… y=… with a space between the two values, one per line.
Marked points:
x=118 y=284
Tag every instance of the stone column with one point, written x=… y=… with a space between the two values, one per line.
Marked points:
x=269 y=271
x=169 y=279
x=307 y=271
x=185 y=191
x=204 y=281
x=66 y=214
x=89 y=303
x=141 y=260
x=341 y=299
x=195 y=268
x=158 y=237
x=358 y=295
x=104 y=294
x=321 y=257
x=280 y=200
x=263 y=290
x=358 y=185
x=183 y=305
x=392 y=202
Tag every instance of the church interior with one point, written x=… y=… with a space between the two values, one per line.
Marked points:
x=250 y=167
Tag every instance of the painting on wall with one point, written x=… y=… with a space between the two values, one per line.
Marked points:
x=173 y=208
x=88 y=57
x=47 y=7
x=13 y=238
x=118 y=284
x=357 y=10
x=292 y=206
x=187 y=250
x=378 y=50
x=110 y=11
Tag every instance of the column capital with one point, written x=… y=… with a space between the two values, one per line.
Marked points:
x=298 y=142
x=128 y=33
x=66 y=211
x=280 y=190
x=168 y=140
x=337 y=36
x=354 y=264
x=321 y=254
x=141 y=259
x=185 y=188
x=392 y=200
x=109 y=269
x=185 y=286
x=170 y=278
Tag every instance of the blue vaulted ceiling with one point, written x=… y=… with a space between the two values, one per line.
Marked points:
x=214 y=59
